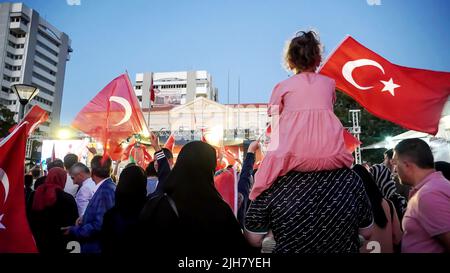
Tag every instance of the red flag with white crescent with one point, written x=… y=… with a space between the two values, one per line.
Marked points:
x=34 y=117
x=15 y=233
x=112 y=116
x=410 y=97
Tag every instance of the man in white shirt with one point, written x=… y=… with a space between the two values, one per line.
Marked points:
x=70 y=187
x=81 y=176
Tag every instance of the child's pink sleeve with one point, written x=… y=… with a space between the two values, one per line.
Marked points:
x=276 y=102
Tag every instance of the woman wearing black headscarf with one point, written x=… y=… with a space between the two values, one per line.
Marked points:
x=119 y=230
x=191 y=217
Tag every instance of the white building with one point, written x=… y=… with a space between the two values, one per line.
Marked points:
x=174 y=88
x=231 y=123
x=33 y=52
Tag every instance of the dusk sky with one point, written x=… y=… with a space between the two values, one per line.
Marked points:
x=243 y=37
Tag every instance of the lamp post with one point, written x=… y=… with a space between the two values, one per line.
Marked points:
x=25 y=93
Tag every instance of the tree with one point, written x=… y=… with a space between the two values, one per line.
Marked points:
x=6 y=120
x=373 y=129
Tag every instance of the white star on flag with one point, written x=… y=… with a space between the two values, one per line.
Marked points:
x=389 y=86
x=1 y=225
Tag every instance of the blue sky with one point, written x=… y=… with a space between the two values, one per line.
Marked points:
x=244 y=37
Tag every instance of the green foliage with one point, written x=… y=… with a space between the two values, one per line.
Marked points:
x=373 y=129
x=6 y=120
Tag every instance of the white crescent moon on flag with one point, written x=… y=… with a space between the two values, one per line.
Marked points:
x=348 y=68
x=5 y=181
x=126 y=106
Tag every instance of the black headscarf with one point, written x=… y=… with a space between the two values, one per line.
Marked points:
x=131 y=191
x=205 y=223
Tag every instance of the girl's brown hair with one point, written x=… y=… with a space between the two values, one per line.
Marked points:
x=303 y=52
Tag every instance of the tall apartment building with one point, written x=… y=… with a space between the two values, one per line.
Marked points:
x=175 y=88
x=33 y=52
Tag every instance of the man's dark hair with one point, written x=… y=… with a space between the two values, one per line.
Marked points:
x=80 y=166
x=389 y=153
x=101 y=168
x=55 y=163
x=167 y=153
x=69 y=160
x=150 y=170
x=417 y=151
x=28 y=180
x=36 y=172
x=443 y=167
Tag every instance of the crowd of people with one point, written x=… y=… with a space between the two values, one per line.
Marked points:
x=307 y=196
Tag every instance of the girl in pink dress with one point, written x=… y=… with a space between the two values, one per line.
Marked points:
x=306 y=134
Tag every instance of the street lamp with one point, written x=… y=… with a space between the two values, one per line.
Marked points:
x=25 y=93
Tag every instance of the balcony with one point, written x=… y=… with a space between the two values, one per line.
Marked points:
x=18 y=27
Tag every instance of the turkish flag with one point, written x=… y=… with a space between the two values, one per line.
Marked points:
x=226 y=185
x=170 y=142
x=112 y=116
x=15 y=233
x=35 y=116
x=410 y=97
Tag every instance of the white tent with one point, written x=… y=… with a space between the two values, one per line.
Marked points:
x=440 y=143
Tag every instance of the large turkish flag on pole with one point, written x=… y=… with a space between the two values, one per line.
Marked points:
x=15 y=233
x=112 y=116
x=410 y=97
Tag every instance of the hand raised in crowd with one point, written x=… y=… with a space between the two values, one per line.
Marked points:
x=155 y=142
x=253 y=147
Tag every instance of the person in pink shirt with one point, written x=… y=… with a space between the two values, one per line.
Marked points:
x=426 y=222
x=306 y=134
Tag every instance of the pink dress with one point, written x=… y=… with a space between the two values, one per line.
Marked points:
x=307 y=136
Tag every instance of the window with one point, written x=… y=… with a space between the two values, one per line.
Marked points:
x=39 y=43
x=44 y=101
x=46 y=69
x=17 y=35
x=42 y=56
x=42 y=89
x=15 y=19
x=7 y=78
x=42 y=78
x=139 y=98
x=48 y=38
x=6 y=90
x=14 y=45
x=14 y=57
x=12 y=67
x=138 y=87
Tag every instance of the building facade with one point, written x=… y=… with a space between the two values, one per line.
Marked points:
x=33 y=52
x=174 y=88
x=231 y=123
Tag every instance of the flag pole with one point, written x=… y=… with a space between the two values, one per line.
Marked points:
x=150 y=100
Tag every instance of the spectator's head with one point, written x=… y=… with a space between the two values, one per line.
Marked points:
x=374 y=194
x=36 y=172
x=79 y=173
x=443 y=167
x=388 y=155
x=150 y=170
x=55 y=163
x=131 y=191
x=168 y=154
x=46 y=194
x=39 y=182
x=303 y=52
x=69 y=160
x=28 y=181
x=196 y=163
x=413 y=160
x=101 y=169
